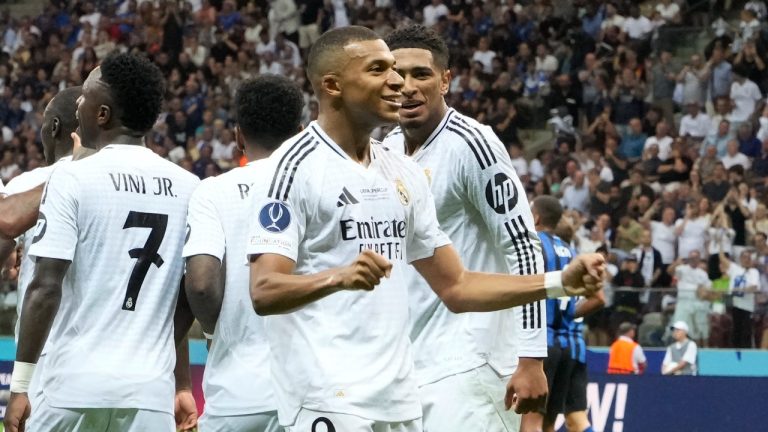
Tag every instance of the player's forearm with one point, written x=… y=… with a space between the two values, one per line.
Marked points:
x=205 y=290
x=276 y=293
x=182 y=317
x=590 y=305
x=40 y=306
x=486 y=292
x=181 y=371
x=19 y=212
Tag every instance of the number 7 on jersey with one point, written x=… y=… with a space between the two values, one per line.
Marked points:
x=145 y=256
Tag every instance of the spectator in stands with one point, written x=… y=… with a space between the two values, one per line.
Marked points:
x=716 y=189
x=718 y=74
x=760 y=163
x=680 y=358
x=693 y=79
x=745 y=94
x=576 y=194
x=650 y=264
x=719 y=139
x=693 y=290
x=626 y=357
x=633 y=141
x=749 y=145
x=734 y=157
x=661 y=139
x=695 y=124
x=691 y=230
x=744 y=283
x=628 y=233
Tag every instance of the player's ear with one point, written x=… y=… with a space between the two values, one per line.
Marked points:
x=104 y=115
x=55 y=127
x=445 y=82
x=331 y=85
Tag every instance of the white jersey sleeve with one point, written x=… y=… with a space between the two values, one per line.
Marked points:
x=205 y=235
x=497 y=194
x=56 y=231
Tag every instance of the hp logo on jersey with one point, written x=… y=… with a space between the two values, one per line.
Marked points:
x=501 y=193
x=275 y=217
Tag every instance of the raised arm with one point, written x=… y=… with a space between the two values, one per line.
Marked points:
x=465 y=291
x=18 y=212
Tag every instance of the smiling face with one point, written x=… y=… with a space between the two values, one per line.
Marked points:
x=424 y=86
x=368 y=84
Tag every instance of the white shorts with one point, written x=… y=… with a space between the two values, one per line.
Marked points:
x=317 y=421
x=469 y=401
x=262 y=422
x=46 y=418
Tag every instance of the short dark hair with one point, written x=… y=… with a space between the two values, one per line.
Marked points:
x=64 y=106
x=335 y=40
x=137 y=87
x=419 y=36
x=269 y=110
x=549 y=210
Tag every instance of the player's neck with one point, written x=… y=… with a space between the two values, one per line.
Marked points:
x=416 y=137
x=254 y=153
x=120 y=136
x=353 y=139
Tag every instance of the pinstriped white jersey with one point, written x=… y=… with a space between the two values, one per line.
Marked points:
x=482 y=206
x=25 y=182
x=348 y=352
x=119 y=217
x=237 y=378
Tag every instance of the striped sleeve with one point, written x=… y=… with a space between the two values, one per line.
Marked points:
x=496 y=192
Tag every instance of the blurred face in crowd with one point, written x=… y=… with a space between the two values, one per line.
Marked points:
x=732 y=147
x=704 y=206
x=679 y=335
x=636 y=126
x=425 y=85
x=696 y=61
x=722 y=105
x=745 y=259
x=668 y=216
x=694 y=258
x=645 y=238
x=662 y=129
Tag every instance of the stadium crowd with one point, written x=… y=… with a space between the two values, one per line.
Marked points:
x=661 y=160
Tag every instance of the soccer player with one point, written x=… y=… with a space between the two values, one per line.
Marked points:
x=237 y=382
x=341 y=216
x=482 y=206
x=59 y=123
x=108 y=260
x=565 y=364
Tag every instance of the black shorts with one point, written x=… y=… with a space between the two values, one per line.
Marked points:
x=557 y=367
x=576 y=399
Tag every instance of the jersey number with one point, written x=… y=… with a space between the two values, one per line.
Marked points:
x=329 y=426
x=145 y=256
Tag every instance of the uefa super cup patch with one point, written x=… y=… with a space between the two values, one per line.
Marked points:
x=275 y=217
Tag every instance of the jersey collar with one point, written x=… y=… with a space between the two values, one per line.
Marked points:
x=433 y=136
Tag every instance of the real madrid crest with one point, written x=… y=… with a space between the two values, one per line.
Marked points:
x=402 y=192
x=428 y=173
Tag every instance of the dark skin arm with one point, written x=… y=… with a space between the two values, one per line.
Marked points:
x=590 y=305
x=18 y=212
x=204 y=289
x=184 y=405
x=6 y=247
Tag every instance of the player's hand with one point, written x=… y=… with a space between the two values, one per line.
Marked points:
x=365 y=272
x=185 y=410
x=527 y=389
x=584 y=275
x=17 y=413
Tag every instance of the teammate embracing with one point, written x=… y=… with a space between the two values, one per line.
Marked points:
x=482 y=206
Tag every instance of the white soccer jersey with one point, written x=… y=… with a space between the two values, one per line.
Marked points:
x=25 y=182
x=482 y=206
x=348 y=352
x=119 y=216
x=237 y=377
